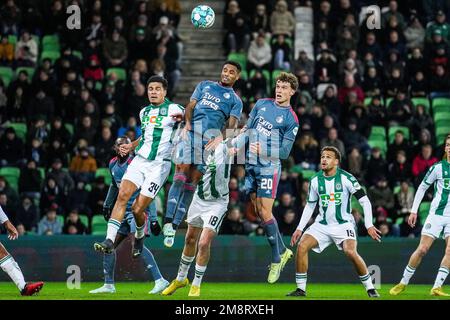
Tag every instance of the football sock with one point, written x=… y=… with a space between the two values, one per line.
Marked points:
x=10 y=266
x=174 y=196
x=300 y=280
x=181 y=210
x=140 y=231
x=366 y=280
x=271 y=233
x=113 y=227
x=407 y=274
x=150 y=263
x=153 y=214
x=199 y=272
x=281 y=246
x=185 y=264
x=109 y=264
x=441 y=276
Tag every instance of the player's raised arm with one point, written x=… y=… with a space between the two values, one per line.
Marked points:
x=313 y=197
x=427 y=181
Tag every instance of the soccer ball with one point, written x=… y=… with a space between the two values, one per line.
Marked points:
x=203 y=17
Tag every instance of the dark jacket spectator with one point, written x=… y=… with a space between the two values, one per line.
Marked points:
x=30 y=180
x=233 y=224
x=73 y=224
x=27 y=215
x=11 y=148
x=375 y=166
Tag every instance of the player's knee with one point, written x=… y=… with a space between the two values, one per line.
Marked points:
x=203 y=245
x=302 y=248
x=123 y=197
x=190 y=240
x=350 y=253
x=447 y=251
x=422 y=250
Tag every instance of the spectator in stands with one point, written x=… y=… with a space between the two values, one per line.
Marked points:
x=404 y=199
x=419 y=85
x=286 y=203
x=359 y=112
x=168 y=51
x=11 y=148
x=73 y=224
x=333 y=140
x=59 y=131
x=371 y=46
x=281 y=52
x=414 y=33
x=303 y=64
x=381 y=195
x=399 y=169
x=95 y=32
x=282 y=21
x=79 y=199
x=83 y=166
x=60 y=176
x=375 y=166
x=350 y=86
x=421 y=120
x=437 y=51
x=354 y=139
x=394 y=83
x=7 y=205
x=56 y=151
x=131 y=124
x=288 y=223
x=439 y=24
x=399 y=143
x=50 y=194
x=27 y=214
x=98 y=194
x=238 y=35
x=331 y=102
x=372 y=84
x=257 y=85
x=93 y=70
x=6 y=51
x=416 y=63
x=326 y=67
x=9 y=191
x=259 y=54
x=306 y=152
x=26 y=52
x=113 y=119
x=423 y=161
x=103 y=147
x=423 y=138
x=400 y=110
x=393 y=11
x=115 y=50
x=344 y=43
x=86 y=130
x=260 y=22
x=233 y=223
x=141 y=47
x=439 y=82
x=30 y=181
x=49 y=224
x=41 y=105
x=355 y=163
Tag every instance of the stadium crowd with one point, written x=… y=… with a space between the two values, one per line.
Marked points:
x=373 y=94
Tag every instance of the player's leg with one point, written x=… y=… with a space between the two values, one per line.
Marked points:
x=442 y=272
x=425 y=244
x=349 y=247
x=152 y=266
x=109 y=265
x=126 y=190
x=188 y=255
x=138 y=208
x=307 y=242
x=10 y=266
x=176 y=192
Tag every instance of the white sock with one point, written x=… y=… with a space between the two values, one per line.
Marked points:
x=300 y=279
x=199 y=273
x=366 y=280
x=441 y=276
x=10 y=266
x=140 y=232
x=185 y=264
x=113 y=227
x=407 y=275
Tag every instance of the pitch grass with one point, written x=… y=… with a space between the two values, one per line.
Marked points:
x=216 y=291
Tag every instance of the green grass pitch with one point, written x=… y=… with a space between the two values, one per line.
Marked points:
x=216 y=291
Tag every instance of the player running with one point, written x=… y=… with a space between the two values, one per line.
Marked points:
x=211 y=105
x=270 y=131
x=10 y=266
x=333 y=188
x=437 y=222
x=205 y=216
x=150 y=167
x=117 y=166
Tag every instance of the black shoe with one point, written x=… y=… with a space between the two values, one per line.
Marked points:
x=138 y=246
x=372 y=293
x=297 y=293
x=106 y=246
x=155 y=228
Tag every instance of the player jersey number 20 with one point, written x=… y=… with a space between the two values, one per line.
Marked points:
x=266 y=183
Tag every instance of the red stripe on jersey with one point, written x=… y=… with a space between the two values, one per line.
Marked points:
x=294 y=114
x=113 y=160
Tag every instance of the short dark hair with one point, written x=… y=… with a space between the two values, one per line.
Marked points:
x=335 y=150
x=233 y=63
x=159 y=79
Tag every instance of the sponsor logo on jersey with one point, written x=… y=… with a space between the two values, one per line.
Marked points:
x=333 y=197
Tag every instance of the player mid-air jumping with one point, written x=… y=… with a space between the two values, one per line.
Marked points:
x=150 y=167
x=211 y=105
x=117 y=166
x=10 y=266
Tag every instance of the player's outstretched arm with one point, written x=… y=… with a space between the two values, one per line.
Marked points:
x=428 y=180
x=306 y=216
x=12 y=231
x=364 y=201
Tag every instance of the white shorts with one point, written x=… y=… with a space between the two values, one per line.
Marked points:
x=207 y=213
x=434 y=225
x=327 y=234
x=149 y=175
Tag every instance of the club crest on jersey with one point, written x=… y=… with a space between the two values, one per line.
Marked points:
x=279 y=119
x=163 y=112
x=226 y=95
x=338 y=186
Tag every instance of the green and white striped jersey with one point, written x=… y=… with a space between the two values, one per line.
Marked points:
x=158 y=128
x=439 y=175
x=334 y=196
x=214 y=183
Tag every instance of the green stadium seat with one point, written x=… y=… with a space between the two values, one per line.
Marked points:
x=367 y=101
x=84 y=219
x=52 y=55
x=42 y=173
x=424 y=209
x=399 y=221
x=51 y=38
x=37 y=39
x=104 y=172
x=424 y=101
x=121 y=73
x=394 y=129
x=440 y=104
x=241 y=58
x=442 y=132
x=388 y=102
x=78 y=54
x=69 y=128
x=380 y=144
x=308 y=174
x=30 y=71
x=99 y=225
x=51 y=47
x=442 y=122
x=12 y=39
x=441 y=115
x=21 y=130
x=60 y=219
x=6 y=74
x=377 y=133
x=11 y=175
